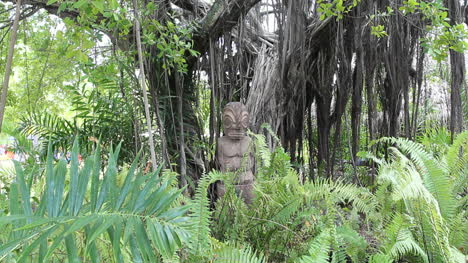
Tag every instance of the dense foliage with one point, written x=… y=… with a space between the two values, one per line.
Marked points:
x=415 y=213
x=358 y=116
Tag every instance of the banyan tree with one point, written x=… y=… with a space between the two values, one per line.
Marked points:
x=310 y=70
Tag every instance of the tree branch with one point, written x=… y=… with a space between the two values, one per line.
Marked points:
x=24 y=14
x=222 y=17
x=52 y=9
x=199 y=7
x=9 y=62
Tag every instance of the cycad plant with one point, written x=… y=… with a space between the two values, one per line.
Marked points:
x=85 y=213
x=425 y=219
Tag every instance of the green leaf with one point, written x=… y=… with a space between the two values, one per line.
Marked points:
x=72 y=249
x=99 y=4
x=80 y=3
x=102 y=227
x=50 y=2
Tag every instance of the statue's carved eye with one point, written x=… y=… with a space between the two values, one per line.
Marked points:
x=228 y=122
x=245 y=122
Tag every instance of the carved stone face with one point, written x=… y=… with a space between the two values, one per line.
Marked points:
x=235 y=120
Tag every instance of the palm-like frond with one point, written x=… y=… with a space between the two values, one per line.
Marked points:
x=82 y=209
x=59 y=132
x=100 y=113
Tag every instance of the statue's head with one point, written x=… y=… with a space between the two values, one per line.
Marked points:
x=235 y=120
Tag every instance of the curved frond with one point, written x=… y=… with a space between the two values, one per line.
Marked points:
x=201 y=215
x=399 y=240
x=380 y=258
x=81 y=206
x=320 y=249
x=433 y=173
x=229 y=254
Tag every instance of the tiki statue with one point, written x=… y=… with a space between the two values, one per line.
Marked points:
x=234 y=152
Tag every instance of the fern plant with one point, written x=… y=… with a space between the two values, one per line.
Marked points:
x=288 y=217
x=203 y=247
x=424 y=189
x=233 y=254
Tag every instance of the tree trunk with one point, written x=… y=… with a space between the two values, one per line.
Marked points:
x=143 y=87
x=310 y=144
x=9 y=61
x=406 y=114
x=323 y=134
x=182 y=157
x=370 y=104
x=417 y=90
x=356 y=106
x=397 y=59
x=457 y=71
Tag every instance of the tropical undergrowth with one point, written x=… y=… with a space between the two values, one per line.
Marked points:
x=416 y=212
x=96 y=211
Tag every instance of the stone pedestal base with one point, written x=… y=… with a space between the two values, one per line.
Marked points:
x=244 y=191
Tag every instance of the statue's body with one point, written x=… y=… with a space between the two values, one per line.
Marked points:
x=234 y=153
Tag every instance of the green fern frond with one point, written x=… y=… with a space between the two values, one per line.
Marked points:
x=201 y=214
x=433 y=173
x=457 y=149
x=458 y=231
x=380 y=258
x=354 y=244
x=261 y=150
x=338 y=191
x=457 y=256
x=320 y=248
x=229 y=254
x=399 y=240
x=361 y=197
x=457 y=161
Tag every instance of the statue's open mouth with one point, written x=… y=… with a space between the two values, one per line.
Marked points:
x=237 y=134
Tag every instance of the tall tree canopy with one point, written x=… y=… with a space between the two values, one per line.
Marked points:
x=309 y=69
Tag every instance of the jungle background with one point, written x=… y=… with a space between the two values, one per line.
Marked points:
x=111 y=111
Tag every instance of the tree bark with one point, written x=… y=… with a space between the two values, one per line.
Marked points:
x=323 y=133
x=457 y=71
x=9 y=61
x=356 y=107
x=182 y=157
x=143 y=87
x=417 y=90
x=396 y=72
